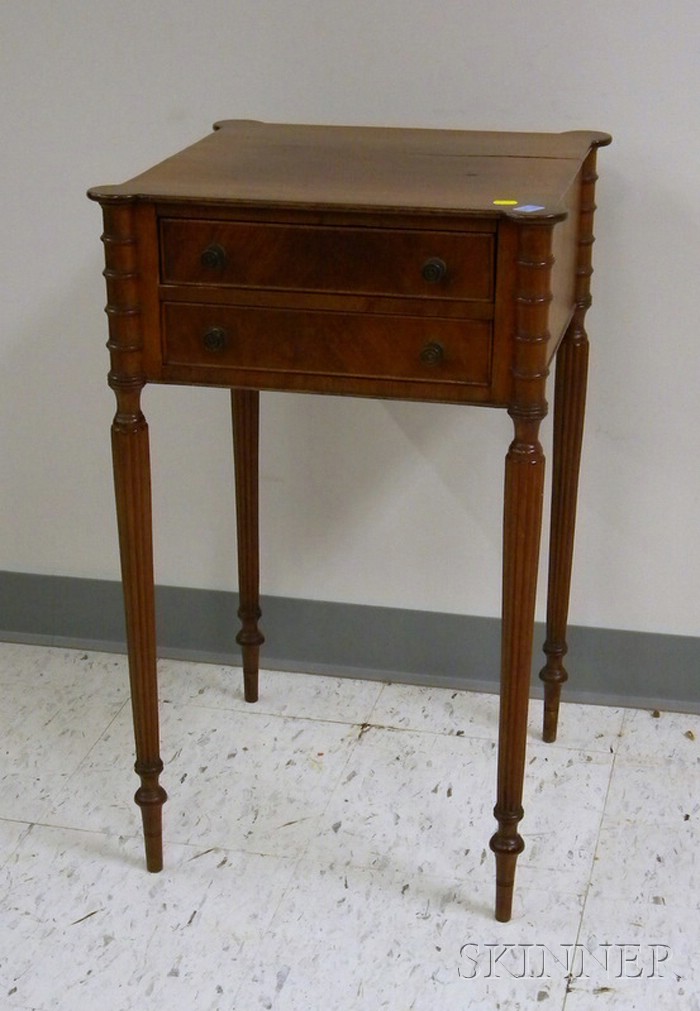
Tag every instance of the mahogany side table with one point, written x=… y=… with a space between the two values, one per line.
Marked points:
x=425 y=265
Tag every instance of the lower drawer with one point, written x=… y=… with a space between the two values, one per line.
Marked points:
x=327 y=343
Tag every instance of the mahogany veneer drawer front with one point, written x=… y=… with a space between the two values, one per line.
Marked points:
x=328 y=343
x=439 y=264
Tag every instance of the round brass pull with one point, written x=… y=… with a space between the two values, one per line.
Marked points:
x=432 y=354
x=214 y=339
x=213 y=257
x=434 y=270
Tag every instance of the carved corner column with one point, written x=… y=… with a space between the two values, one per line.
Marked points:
x=245 y=412
x=569 y=409
x=524 y=483
x=132 y=483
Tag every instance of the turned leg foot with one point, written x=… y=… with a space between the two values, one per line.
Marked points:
x=250 y=652
x=150 y=797
x=553 y=675
x=507 y=845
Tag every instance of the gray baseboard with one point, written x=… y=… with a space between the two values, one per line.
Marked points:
x=608 y=666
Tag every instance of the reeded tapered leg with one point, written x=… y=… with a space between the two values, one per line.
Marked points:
x=569 y=403
x=522 y=522
x=245 y=406
x=133 y=499
x=569 y=409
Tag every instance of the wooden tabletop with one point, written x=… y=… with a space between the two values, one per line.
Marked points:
x=392 y=169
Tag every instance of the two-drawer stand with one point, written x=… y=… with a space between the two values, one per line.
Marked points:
x=423 y=265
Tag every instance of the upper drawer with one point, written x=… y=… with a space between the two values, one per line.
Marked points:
x=372 y=261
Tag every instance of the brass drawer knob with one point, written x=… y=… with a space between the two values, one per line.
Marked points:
x=214 y=339
x=432 y=354
x=434 y=270
x=213 y=257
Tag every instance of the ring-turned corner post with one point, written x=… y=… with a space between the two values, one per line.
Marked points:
x=522 y=521
x=569 y=410
x=132 y=481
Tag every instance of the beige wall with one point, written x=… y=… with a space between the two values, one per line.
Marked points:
x=392 y=504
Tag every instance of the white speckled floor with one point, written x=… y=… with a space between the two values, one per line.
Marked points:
x=328 y=849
